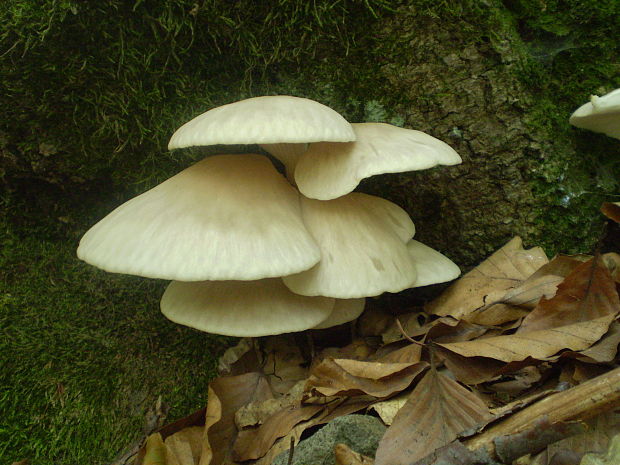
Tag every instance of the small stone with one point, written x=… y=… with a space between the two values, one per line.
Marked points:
x=361 y=433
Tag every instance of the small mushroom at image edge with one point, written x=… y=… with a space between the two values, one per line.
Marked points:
x=600 y=114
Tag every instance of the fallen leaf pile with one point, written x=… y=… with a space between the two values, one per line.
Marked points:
x=515 y=360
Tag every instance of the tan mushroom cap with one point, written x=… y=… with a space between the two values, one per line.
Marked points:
x=329 y=170
x=226 y=217
x=600 y=114
x=264 y=120
x=345 y=310
x=393 y=215
x=288 y=154
x=243 y=308
x=432 y=266
x=361 y=255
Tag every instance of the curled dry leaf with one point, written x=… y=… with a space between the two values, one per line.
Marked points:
x=495 y=315
x=387 y=409
x=255 y=413
x=444 y=329
x=612 y=456
x=155 y=450
x=336 y=377
x=438 y=410
x=228 y=363
x=489 y=281
x=470 y=370
x=334 y=409
x=517 y=301
x=398 y=352
x=587 y=293
x=184 y=447
x=596 y=438
x=611 y=210
x=255 y=443
x=578 y=403
x=226 y=396
x=282 y=363
x=604 y=351
x=539 y=345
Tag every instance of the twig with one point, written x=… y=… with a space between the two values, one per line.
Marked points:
x=575 y=404
x=291 y=451
x=406 y=336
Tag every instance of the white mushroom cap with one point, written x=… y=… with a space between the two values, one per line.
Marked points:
x=288 y=154
x=226 y=217
x=264 y=120
x=600 y=114
x=393 y=215
x=432 y=267
x=345 y=310
x=329 y=170
x=361 y=255
x=243 y=308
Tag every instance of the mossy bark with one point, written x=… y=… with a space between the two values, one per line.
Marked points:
x=91 y=95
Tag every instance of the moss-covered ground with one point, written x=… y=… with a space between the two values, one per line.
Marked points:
x=85 y=355
x=90 y=92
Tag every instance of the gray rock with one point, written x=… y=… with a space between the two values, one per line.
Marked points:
x=360 y=432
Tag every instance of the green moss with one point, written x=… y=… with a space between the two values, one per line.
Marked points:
x=570 y=53
x=104 y=84
x=86 y=355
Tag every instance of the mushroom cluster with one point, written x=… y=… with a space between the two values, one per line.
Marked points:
x=251 y=252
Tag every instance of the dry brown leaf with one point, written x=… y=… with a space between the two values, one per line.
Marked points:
x=496 y=315
x=227 y=395
x=489 y=281
x=283 y=363
x=539 y=345
x=255 y=443
x=359 y=349
x=239 y=359
x=438 y=410
x=155 y=450
x=595 y=439
x=387 y=409
x=255 y=413
x=588 y=292
x=398 y=352
x=470 y=370
x=611 y=210
x=605 y=350
x=333 y=410
x=410 y=324
x=374 y=321
x=184 y=447
x=517 y=301
x=346 y=456
x=336 y=377
x=518 y=382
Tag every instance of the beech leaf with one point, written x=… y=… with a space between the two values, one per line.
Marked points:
x=539 y=345
x=336 y=377
x=437 y=411
x=587 y=293
x=227 y=395
x=490 y=280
